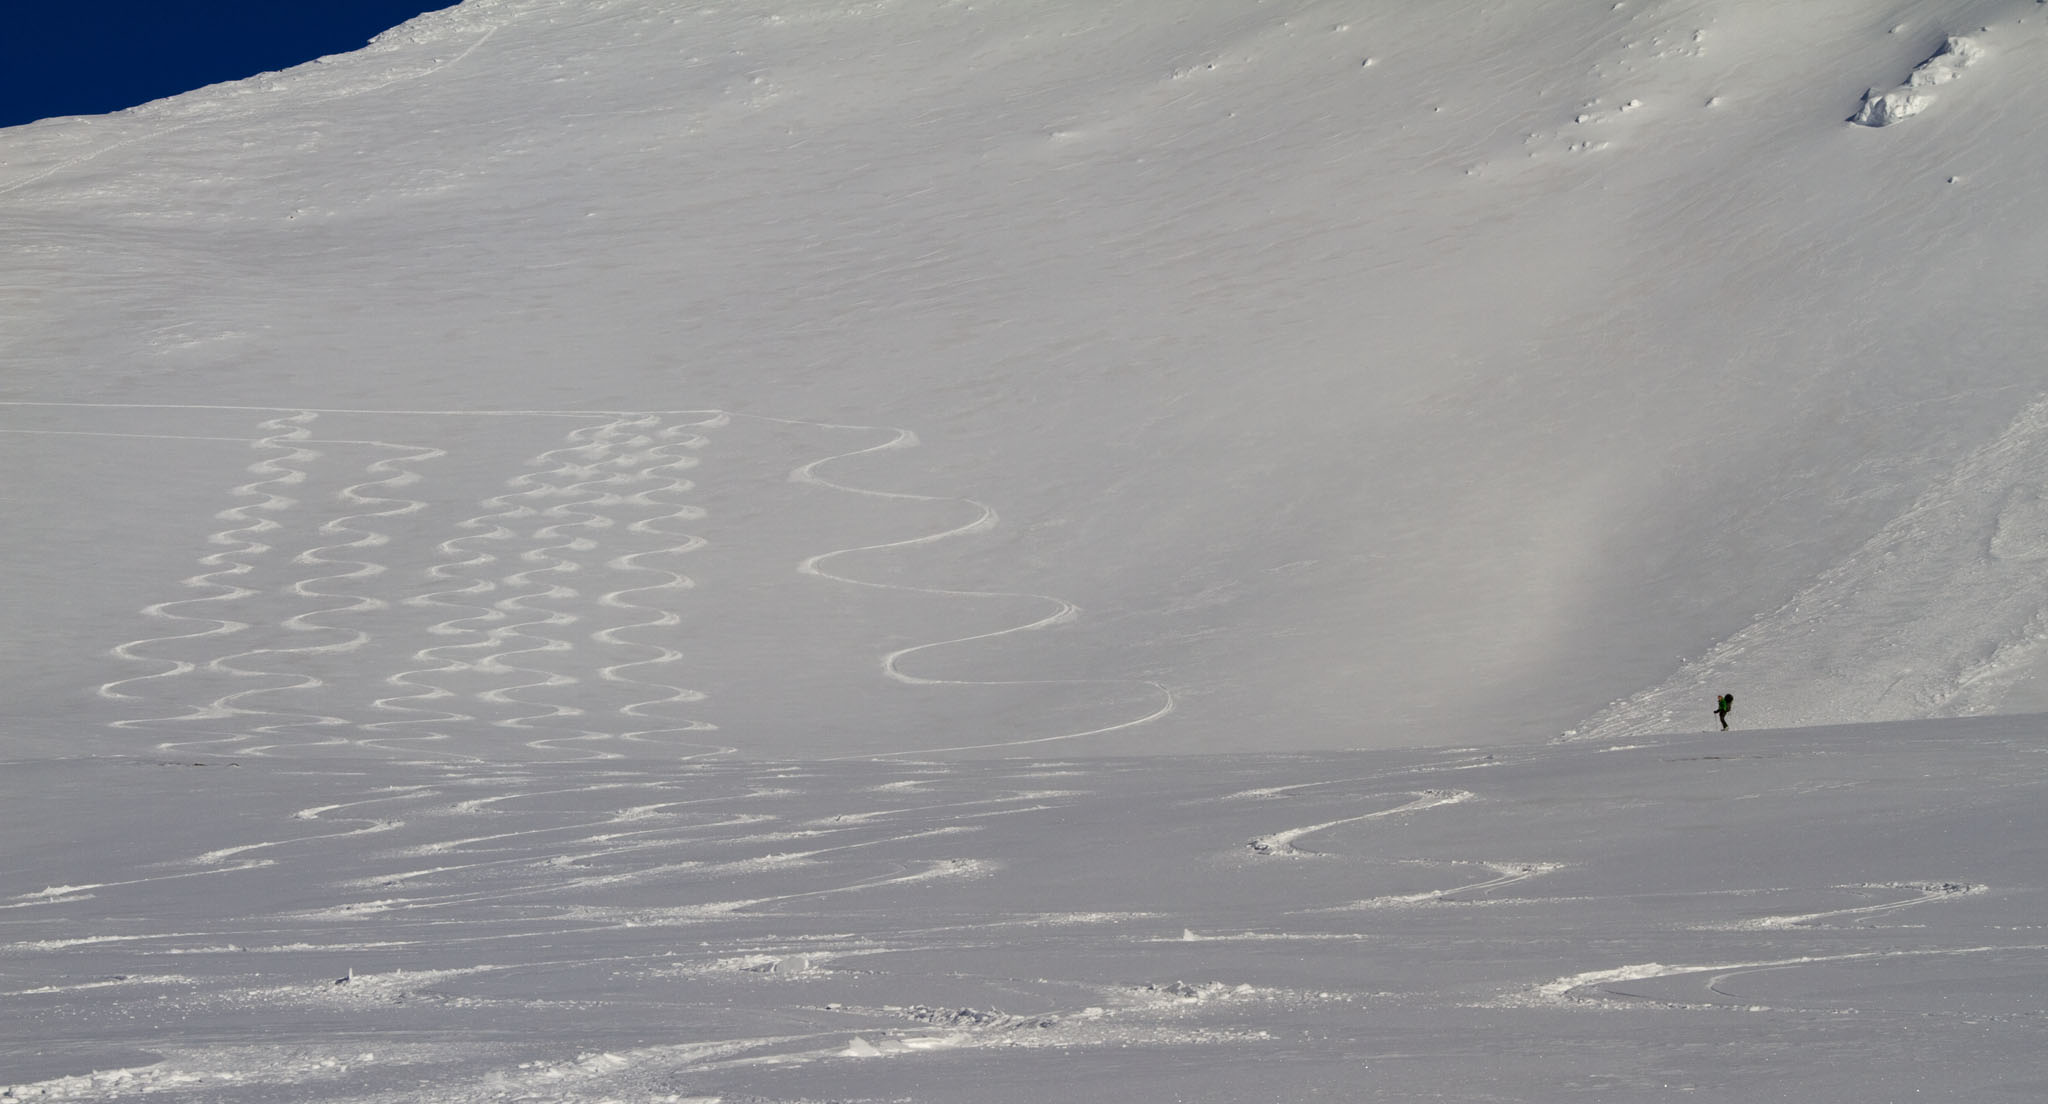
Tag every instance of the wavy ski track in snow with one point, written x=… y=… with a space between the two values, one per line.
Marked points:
x=621 y=472
x=486 y=653
x=513 y=588
x=985 y=519
x=572 y=862
x=1505 y=874
x=488 y=892
x=235 y=561
x=1914 y=895
x=263 y=663
x=578 y=495
x=1716 y=987
x=541 y=609
x=551 y=842
x=288 y=434
x=1282 y=843
x=346 y=561
x=662 y=470
x=347 y=557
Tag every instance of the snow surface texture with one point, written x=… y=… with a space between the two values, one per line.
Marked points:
x=1825 y=915
x=1282 y=376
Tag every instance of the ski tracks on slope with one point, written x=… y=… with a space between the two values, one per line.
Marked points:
x=241 y=547
x=495 y=898
x=552 y=614
x=1286 y=844
x=1058 y=611
x=279 y=669
x=1283 y=842
x=606 y=505
x=316 y=623
x=1716 y=986
x=1731 y=986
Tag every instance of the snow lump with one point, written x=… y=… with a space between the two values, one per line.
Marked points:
x=1911 y=98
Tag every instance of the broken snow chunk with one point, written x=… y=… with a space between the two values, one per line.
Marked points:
x=1911 y=98
x=1884 y=109
x=950 y=1017
x=1955 y=55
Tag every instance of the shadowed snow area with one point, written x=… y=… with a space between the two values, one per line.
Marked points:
x=613 y=550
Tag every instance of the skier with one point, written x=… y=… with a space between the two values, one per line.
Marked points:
x=1722 y=707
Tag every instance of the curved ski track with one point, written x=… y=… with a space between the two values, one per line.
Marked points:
x=1060 y=611
x=726 y=865
x=558 y=602
x=773 y=916
x=614 y=483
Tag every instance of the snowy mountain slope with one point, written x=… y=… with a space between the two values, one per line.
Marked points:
x=505 y=522
x=1359 y=375
x=1974 y=541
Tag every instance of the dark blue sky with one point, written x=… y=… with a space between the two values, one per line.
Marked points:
x=89 y=57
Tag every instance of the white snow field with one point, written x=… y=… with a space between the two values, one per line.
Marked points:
x=1843 y=914
x=1037 y=550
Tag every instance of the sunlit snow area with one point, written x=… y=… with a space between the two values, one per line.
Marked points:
x=616 y=550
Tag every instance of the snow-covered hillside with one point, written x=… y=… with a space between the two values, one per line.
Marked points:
x=1309 y=374
x=618 y=550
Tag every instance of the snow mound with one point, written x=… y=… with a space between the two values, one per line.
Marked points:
x=1884 y=109
x=1911 y=98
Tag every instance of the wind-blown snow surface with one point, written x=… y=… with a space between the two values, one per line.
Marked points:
x=1819 y=915
x=1284 y=375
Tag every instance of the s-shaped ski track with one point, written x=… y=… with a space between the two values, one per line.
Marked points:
x=985 y=519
